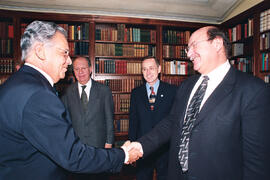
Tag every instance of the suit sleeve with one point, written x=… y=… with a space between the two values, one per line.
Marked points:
x=47 y=127
x=255 y=134
x=109 y=116
x=133 y=120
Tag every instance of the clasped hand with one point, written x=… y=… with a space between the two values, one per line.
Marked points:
x=134 y=151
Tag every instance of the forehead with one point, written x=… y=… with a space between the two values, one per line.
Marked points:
x=80 y=62
x=149 y=62
x=198 y=35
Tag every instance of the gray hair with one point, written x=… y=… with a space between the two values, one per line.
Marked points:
x=38 y=31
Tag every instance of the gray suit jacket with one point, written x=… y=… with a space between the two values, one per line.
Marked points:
x=94 y=128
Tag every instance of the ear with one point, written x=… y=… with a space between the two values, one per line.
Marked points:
x=218 y=44
x=159 y=69
x=40 y=51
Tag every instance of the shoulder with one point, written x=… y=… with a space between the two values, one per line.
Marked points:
x=100 y=87
x=138 y=89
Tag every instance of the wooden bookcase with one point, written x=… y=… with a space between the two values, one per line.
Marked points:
x=116 y=46
x=253 y=47
x=6 y=47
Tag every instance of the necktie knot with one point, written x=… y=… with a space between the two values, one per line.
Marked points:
x=83 y=87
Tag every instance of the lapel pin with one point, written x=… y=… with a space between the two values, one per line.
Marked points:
x=161 y=95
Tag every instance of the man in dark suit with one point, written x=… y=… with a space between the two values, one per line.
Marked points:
x=229 y=137
x=150 y=103
x=36 y=137
x=94 y=122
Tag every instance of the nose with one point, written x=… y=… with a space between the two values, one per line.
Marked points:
x=69 y=61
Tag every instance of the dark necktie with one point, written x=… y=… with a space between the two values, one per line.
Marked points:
x=84 y=98
x=152 y=98
x=191 y=114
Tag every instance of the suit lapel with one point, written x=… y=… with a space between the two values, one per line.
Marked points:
x=223 y=90
x=144 y=97
x=185 y=91
x=93 y=95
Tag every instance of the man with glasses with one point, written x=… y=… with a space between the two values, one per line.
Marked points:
x=218 y=127
x=36 y=137
x=149 y=104
x=92 y=121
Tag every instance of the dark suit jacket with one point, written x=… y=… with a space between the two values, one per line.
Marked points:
x=94 y=128
x=141 y=118
x=230 y=138
x=36 y=137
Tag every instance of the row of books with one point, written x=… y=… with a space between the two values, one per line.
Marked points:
x=6 y=47
x=237 y=49
x=78 y=48
x=265 y=61
x=175 y=37
x=241 y=31
x=112 y=66
x=130 y=50
x=6 y=30
x=74 y=32
x=123 y=34
x=175 y=80
x=121 y=103
x=265 y=41
x=122 y=85
x=6 y=66
x=243 y=64
x=77 y=32
x=177 y=67
x=174 y=51
x=121 y=125
x=265 y=20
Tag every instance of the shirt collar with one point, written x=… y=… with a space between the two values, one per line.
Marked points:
x=218 y=73
x=42 y=72
x=88 y=84
x=156 y=85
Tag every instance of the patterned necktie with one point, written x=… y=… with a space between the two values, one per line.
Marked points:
x=191 y=114
x=84 y=98
x=152 y=98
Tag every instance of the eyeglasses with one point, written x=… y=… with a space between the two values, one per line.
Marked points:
x=194 y=45
x=64 y=52
x=150 y=69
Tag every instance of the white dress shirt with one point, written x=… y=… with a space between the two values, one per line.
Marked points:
x=215 y=78
x=87 y=89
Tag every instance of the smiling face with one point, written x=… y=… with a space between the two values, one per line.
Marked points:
x=57 y=57
x=150 y=71
x=82 y=70
x=202 y=52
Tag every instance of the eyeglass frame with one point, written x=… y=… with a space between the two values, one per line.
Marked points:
x=194 y=44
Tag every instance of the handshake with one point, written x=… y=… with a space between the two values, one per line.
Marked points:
x=133 y=150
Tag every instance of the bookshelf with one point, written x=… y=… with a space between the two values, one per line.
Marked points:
x=241 y=37
x=251 y=30
x=6 y=48
x=176 y=67
x=265 y=44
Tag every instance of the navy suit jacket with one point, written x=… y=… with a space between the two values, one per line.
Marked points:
x=141 y=118
x=36 y=137
x=230 y=138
